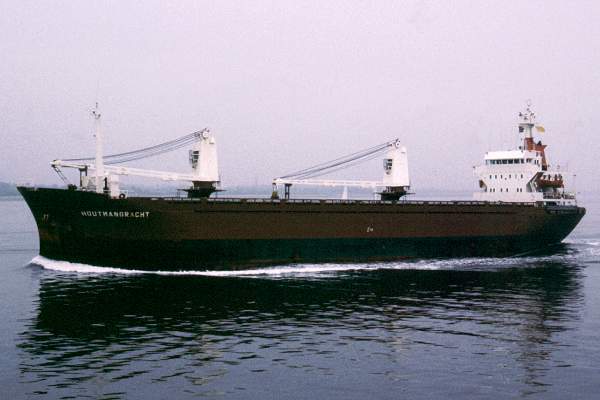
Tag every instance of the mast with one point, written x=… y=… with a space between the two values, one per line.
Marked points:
x=99 y=151
x=526 y=124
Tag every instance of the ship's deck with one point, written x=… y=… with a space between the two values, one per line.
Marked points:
x=242 y=200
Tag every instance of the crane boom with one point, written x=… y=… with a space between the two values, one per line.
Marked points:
x=328 y=183
x=114 y=170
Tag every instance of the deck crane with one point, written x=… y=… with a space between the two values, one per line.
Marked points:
x=395 y=182
x=99 y=173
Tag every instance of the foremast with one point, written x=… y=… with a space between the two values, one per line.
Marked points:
x=99 y=166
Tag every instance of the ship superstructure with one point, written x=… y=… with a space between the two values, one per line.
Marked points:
x=523 y=174
x=522 y=206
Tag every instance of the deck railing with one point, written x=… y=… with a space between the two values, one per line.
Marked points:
x=224 y=200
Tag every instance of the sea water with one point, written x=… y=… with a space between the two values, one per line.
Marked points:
x=519 y=327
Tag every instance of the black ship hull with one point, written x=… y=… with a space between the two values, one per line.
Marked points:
x=173 y=234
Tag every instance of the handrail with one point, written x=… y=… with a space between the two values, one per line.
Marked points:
x=242 y=200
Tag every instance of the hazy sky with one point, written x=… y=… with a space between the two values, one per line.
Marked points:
x=285 y=85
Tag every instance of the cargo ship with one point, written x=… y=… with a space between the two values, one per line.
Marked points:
x=521 y=206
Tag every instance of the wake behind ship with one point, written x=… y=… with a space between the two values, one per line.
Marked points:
x=522 y=206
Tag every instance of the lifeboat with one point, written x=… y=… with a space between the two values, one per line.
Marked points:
x=551 y=181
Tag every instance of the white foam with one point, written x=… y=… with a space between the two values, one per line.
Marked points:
x=326 y=269
x=587 y=242
x=66 y=266
x=295 y=269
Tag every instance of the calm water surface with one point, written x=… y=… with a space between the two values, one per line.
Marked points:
x=525 y=327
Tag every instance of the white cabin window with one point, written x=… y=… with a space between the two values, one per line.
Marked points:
x=194 y=156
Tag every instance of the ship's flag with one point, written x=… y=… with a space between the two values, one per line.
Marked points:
x=540 y=129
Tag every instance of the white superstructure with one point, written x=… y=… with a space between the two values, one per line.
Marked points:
x=523 y=174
